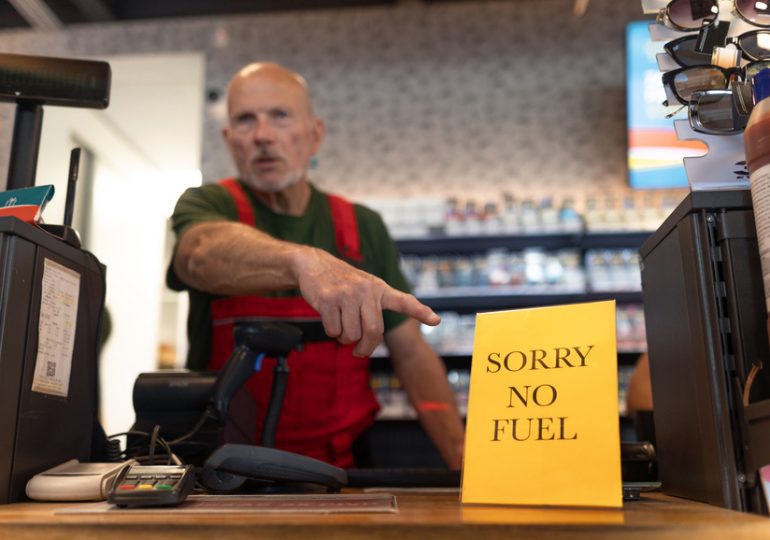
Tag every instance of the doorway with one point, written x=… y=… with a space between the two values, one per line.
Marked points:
x=141 y=153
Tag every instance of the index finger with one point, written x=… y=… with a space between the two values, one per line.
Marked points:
x=407 y=304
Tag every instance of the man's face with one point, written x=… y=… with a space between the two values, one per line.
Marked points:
x=272 y=134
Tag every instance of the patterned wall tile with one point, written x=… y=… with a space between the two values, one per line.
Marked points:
x=459 y=98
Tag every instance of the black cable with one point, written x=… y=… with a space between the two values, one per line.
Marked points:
x=207 y=415
x=153 y=443
x=132 y=452
x=114 y=453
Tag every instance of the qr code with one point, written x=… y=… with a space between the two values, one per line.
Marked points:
x=50 y=370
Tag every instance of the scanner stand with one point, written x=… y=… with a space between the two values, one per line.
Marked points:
x=239 y=466
x=231 y=466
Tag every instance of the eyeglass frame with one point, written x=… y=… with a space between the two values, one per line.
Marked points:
x=736 y=40
x=669 y=76
x=663 y=18
x=693 y=112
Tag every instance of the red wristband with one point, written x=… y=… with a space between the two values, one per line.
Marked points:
x=427 y=406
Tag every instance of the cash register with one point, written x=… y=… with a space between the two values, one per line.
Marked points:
x=51 y=293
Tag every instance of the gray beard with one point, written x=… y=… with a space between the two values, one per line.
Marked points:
x=289 y=180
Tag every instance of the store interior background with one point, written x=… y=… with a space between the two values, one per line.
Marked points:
x=466 y=99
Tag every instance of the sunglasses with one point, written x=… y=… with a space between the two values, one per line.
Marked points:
x=685 y=81
x=690 y=15
x=754 y=46
x=714 y=112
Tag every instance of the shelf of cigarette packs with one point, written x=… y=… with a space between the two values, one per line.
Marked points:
x=461 y=263
x=506 y=254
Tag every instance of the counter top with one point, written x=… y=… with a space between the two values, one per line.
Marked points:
x=421 y=516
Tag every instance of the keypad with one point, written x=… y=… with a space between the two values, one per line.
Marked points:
x=153 y=485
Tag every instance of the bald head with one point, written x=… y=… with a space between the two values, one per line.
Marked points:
x=272 y=132
x=270 y=72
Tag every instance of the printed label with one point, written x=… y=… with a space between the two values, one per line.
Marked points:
x=56 y=329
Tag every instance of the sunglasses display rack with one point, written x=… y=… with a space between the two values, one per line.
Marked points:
x=722 y=166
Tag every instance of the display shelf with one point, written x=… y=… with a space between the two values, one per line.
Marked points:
x=381 y=364
x=613 y=240
x=482 y=302
x=444 y=244
x=589 y=283
x=460 y=360
x=525 y=290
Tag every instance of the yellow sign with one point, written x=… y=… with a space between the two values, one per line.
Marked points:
x=542 y=425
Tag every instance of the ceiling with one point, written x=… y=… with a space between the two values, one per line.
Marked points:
x=55 y=14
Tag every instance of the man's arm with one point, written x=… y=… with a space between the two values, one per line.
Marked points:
x=425 y=380
x=230 y=259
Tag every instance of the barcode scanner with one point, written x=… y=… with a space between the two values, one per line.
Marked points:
x=252 y=342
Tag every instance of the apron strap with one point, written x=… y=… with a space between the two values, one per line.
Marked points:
x=242 y=203
x=345 y=228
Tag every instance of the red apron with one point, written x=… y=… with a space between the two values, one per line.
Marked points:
x=329 y=401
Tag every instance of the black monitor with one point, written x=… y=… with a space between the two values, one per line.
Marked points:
x=54 y=81
x=34 y=81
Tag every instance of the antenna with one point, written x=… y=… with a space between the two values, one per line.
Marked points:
x=72 y=178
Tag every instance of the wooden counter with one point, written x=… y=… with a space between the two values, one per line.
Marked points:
x=421 y=516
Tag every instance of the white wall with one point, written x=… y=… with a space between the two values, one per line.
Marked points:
x=147 y=150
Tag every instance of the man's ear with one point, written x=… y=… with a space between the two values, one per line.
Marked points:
x=319 y=131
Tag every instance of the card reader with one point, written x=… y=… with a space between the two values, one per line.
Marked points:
x=152 y=485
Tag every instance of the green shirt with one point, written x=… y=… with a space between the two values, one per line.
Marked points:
x=211 y=202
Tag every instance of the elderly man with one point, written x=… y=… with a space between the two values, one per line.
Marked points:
x=269 y=245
